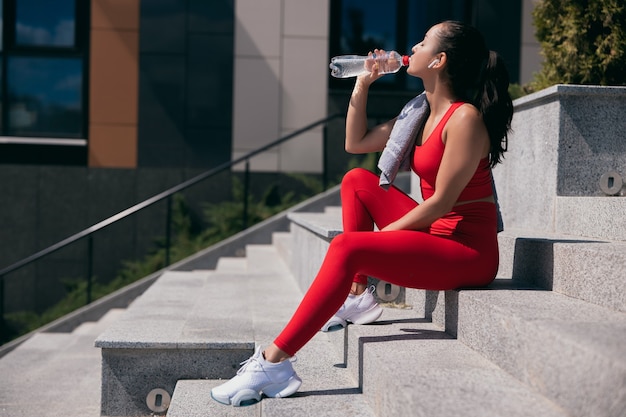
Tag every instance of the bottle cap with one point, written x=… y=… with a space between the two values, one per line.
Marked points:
x=405 y=60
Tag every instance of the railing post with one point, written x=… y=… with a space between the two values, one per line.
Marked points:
x=89 y=267
x=246 y=190
x=168 y=230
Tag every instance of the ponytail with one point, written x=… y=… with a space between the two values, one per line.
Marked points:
x=480 y=77
x=495 y=105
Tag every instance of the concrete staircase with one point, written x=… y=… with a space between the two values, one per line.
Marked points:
x=55 y=374
x=547 y=338
x=517 y=348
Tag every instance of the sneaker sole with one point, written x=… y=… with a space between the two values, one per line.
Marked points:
x=334 y=325
x=247 y=397
x=285 y=389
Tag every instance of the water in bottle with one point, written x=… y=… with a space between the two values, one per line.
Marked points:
x=346 y=66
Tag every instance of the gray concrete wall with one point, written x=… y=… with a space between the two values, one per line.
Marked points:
x=565 y=139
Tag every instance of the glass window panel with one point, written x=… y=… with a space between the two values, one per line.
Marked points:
x=418 y=23
x=1 y=24
x=45 y=97
x=45 y=23
x=365 y=25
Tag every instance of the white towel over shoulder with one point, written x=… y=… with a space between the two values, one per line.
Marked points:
x=397 y=152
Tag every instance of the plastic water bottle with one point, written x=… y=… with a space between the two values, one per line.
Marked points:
x=346 y=66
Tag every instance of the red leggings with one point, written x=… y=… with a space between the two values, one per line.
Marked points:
x=458 y=250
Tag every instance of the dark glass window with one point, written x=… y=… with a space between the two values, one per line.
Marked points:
x=43 y=81
x=45 y=23
x=44 y=97
x=366 y=25
x=359 y=26
x=1 y=20
x=363 y=26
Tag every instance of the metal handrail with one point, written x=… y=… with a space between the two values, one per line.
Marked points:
x=88 y=232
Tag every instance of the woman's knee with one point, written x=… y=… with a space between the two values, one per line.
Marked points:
x=358 y=173
x=346 y=245
x=356 y=177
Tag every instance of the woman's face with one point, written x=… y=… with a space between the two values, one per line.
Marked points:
x=424 y=53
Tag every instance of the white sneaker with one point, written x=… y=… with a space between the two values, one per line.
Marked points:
x=357 y=309
x=256 y=376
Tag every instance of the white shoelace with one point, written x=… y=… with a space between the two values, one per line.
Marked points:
x=254 y=358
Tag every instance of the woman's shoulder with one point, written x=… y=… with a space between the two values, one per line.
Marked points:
x=466 y=122
x=466 y=109
x=466 y=115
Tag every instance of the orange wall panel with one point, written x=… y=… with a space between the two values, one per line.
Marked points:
x=115 y=14
x=114 y=77
x=113 y=83
x=113 y=146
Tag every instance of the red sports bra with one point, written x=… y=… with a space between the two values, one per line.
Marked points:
x=427 y=158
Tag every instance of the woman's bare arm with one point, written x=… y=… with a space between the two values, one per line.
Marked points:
x=360 y=139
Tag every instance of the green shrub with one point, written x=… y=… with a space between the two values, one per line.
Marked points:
x=517 y=91
x=582 y=42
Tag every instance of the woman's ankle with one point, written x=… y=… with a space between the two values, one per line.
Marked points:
x=274 y=354
x=357 y=288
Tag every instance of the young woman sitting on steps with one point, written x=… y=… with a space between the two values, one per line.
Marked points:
x=446 y=242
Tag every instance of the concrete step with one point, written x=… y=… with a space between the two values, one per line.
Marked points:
x=528 y=263
x=95 y=328
x=312 y=233
x=567 y=349
x=231 y=264
x=584 y=268
x=283 y=242
x=327 y=390
x=265 y=259
x=198 y=324
x=406 y=365
x=587 y=269
x=56 y=374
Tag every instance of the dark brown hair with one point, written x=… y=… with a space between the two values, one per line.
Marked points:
x=479 y=76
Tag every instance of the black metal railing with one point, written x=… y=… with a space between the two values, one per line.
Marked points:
x=167 y=194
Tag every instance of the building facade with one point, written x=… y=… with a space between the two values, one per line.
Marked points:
x=191 y=83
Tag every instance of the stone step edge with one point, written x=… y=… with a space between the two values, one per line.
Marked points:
x=404 y=361
x=551 y=342
x=327 y=388
x=183 y=292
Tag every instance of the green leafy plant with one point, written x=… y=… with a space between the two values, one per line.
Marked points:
x=582 y=42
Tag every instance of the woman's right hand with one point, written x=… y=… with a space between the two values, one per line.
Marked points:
x=373 y=66
x=360 y=139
